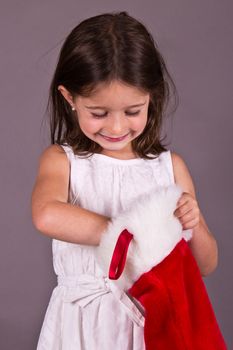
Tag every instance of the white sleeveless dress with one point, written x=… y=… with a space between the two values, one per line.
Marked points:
x=86 y=310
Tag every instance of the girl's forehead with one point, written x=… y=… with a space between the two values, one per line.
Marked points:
x=116 y=92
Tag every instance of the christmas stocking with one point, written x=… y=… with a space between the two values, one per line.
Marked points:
x=146 y=252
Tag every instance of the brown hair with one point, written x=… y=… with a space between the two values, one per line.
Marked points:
x=103 y=48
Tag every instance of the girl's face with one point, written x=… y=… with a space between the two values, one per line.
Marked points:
x=113 y=116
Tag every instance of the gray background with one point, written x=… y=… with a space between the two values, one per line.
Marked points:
x=195 y=38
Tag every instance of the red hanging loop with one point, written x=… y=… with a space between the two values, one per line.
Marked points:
x=119 y=255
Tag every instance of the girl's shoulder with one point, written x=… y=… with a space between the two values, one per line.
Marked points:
x=54 y=151
x=52 y=159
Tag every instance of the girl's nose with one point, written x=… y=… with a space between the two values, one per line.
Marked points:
x=116 y=125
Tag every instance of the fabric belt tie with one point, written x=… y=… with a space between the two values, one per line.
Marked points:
x=84 y=288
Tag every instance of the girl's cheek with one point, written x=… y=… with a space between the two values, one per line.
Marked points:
x=140 y=124
x=89 y=123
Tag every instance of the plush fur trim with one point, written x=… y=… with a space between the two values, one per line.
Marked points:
x=156 y=232
x=187 y=234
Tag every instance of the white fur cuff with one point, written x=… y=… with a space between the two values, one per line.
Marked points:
x=155 y=229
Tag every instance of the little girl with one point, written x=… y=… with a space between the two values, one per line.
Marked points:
x=107 y=99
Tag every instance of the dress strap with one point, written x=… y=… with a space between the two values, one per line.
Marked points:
x=187 y=234
x=73 y=196
x=167 y=158
x=69 y=151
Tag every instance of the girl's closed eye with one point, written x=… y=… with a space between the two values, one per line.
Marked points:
x=99 y=115
x=105 y=114
x=133 y=113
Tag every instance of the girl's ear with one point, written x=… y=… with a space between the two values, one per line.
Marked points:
x=66 y=94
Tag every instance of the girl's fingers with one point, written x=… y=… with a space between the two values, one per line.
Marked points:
x=190 y=224
x=190 y=219
x=187 y=211
x=190 y=215
x=183 y=209
x=184 y=197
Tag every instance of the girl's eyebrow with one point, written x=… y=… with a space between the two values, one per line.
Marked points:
x=103 y=107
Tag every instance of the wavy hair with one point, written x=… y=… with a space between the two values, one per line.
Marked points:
x=103 y=48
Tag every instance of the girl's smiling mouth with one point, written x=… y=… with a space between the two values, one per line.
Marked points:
x=114 y=139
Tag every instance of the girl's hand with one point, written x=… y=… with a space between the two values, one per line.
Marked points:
x=187 y=211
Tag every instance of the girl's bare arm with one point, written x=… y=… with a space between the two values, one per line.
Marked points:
x=51 y=214
x=203 y=244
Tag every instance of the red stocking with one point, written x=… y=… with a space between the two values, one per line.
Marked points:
x=179 y=315
x=155 y=265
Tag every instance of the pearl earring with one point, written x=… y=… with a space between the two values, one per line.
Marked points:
x=73 y=108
